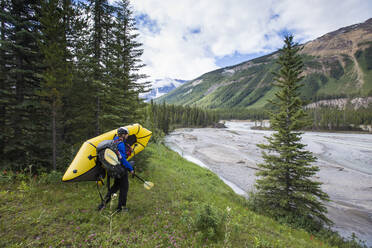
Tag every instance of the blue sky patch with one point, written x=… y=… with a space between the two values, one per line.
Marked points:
x=274 y=17
x=236 y=58
x=195 y=30
x=144 y=21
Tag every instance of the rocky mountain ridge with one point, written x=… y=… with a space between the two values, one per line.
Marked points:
x=341 y=103
x=161 y=87
x=336 y=65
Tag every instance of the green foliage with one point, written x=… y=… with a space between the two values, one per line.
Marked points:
x=20 y=68
x=364 y=58
x=74 y=74
x=284 y=188
x=313 y=64
x=164 y=118
x=210 y=221
x=368 y=57
x=347 y=119
x=336 y=69
x=347 y=60
x=311 y=86
x=49 y=178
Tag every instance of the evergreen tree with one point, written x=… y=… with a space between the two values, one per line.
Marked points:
x=4 y=89
x=21 y=64
x=57 y=73
x=79 y=101
x=285 y=188
x=129 y=51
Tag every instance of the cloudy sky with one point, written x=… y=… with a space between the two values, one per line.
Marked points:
x=183 y=39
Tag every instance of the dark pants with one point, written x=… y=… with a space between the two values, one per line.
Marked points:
x=122 y=184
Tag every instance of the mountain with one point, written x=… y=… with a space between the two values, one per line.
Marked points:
x=163 y=86
x=336 y=65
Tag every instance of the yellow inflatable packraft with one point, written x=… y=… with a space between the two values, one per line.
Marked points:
x=84 y=167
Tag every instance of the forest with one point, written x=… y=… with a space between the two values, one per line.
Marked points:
x=165 y=118
x=68 y=71
x=323 y=118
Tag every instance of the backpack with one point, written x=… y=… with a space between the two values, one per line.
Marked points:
x=109 y=158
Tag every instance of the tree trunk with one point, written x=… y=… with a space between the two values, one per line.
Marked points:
x=2 y=82
x=97 y=55
x=54 y=134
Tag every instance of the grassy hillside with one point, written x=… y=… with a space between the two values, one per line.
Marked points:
x=188 y=207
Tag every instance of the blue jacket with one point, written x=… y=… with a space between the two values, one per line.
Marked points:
x=124 y=161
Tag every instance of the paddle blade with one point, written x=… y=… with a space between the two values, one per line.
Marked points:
x=148 y=185
x=111 y=157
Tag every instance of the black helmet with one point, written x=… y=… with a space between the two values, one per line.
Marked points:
x=122 y=130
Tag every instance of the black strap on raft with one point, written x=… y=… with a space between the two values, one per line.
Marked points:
x=90 y=157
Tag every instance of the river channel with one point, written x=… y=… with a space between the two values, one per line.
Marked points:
x=345 y=162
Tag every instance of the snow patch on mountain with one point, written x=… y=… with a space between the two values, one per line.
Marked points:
x=160 y=87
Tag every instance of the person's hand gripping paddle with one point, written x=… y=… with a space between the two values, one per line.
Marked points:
x=111 y=157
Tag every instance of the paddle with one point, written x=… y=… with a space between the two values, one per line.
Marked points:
x=147 y=185
x=111 y=157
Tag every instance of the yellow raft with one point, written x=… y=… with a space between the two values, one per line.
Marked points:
x=84 y=167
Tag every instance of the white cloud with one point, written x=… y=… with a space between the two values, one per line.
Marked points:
x=228 y=26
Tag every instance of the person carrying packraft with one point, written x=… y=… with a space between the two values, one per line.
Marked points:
x=122 y=182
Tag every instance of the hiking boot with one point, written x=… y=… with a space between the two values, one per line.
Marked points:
x=124 y=210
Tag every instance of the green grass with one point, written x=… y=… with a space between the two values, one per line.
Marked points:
x=264 y=100
x=364 y=58
x=64 y=214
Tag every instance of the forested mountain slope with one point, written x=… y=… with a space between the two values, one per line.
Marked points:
x=338 y=64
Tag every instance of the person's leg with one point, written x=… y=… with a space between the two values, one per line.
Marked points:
x=124 y=186
x=113 y=189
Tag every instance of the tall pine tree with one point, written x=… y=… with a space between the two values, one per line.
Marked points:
x=21 y=64
x=285 y=188
x=128 y=51
x=57 y=74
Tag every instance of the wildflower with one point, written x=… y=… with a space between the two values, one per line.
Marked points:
x=228 y=209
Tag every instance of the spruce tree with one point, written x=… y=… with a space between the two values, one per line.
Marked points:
x=21 y=65
x=4 y=89
x=285 y=188
x=57 y=73
x=128 y=52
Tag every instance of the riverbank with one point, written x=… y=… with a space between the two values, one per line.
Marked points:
x=265 y=126
x=344 y=161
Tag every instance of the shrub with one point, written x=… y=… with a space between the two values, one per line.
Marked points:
x=210 y=221
x=51 y=177
x=141 y=160
x=7 y=176
x=336 y=70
